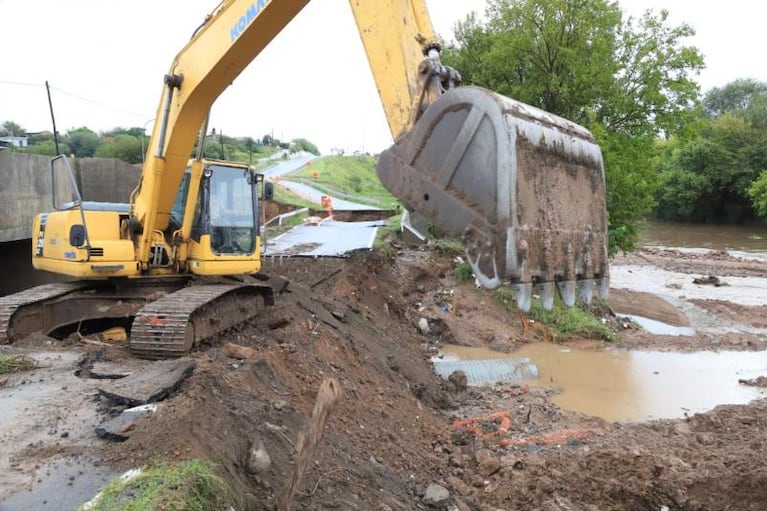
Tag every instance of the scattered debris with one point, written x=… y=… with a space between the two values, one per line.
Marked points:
x=152 y=384
x=119 y=428
x=761 y=381
x=711 y=280
x=116 y=334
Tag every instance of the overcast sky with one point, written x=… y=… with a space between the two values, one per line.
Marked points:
x=105 y=60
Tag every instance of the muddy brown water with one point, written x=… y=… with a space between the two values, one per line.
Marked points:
x=752 y=238
x=631 y=386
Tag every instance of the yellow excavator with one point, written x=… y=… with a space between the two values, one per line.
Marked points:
x=523 y=189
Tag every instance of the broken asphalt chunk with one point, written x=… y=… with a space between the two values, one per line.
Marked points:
x=149 y=385
x=120 y=428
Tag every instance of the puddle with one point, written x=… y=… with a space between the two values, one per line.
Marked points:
x=658 y=327
x=64 y=485
x=46 y=428
x=630 y=386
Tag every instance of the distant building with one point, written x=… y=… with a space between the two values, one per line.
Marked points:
x=11 y=141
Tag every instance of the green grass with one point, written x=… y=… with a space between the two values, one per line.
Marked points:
x=463 y=273
x=351 y=176
x=447 y=246
x=565 y=322
x=572 y=322
x=284 y=196
x=15 y=363
x=189 y=485
x=386 y=234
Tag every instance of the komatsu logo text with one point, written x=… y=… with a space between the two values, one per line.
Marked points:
x=247 y=18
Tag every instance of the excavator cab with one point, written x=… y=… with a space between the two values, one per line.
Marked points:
x=225 y=222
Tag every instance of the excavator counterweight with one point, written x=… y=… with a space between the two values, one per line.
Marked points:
x=522 y=188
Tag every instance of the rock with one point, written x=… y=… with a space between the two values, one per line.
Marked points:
x=436 y=496
x=682 y=428
x=149 y=385
x=120 y=428
x=478 y=481
x=259 y=460
x=705 y=438
x=512 y=461
x=423 y=326
x=339 y=315
x=459 y=437
x=279 y=405
x=459 y=486
x=489 y=466
x=459 y=380
x=462 y=506
x=482 y=454
x=456 y=460
x=239 y=352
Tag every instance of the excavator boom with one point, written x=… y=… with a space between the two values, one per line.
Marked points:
x=522 y=188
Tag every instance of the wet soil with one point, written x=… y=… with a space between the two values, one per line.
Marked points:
x=398 y=428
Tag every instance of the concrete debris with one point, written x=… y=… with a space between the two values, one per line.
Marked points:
x=436 y=496
x=423 y=326
x=153 y=383
x=120 y=428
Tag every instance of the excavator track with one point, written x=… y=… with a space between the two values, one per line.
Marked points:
x=30 y=303
x=174 y=324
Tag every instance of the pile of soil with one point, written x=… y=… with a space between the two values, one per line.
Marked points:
x=399 y=430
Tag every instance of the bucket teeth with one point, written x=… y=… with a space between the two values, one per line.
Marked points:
x=587 y=290
x=567 y=291
x=603 y=287
x=547 y=295
x=523 y=293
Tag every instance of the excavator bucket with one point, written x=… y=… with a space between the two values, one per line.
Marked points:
x=523 y=189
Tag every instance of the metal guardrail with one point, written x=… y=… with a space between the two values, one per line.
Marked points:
x=279 y=218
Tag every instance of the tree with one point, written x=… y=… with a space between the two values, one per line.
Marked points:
x=12 y=129
x=627 y=80
x=714 y=176
x=124 y=147
x=758 y=194
x=304 y=145
x=82 y=142
x=739 y=95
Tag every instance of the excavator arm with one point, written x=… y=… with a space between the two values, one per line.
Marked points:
x=523 y=188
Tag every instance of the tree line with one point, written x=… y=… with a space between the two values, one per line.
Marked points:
x=130 y=144
x=668 y=150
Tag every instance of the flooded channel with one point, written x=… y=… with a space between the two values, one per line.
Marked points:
x=630 y=386
x=752 y=238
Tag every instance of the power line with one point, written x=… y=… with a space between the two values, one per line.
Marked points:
x=96 y=103
x=75 y=96
x=21 y=84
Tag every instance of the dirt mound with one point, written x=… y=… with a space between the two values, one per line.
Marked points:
x=400 y=431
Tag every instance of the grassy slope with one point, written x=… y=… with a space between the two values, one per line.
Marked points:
x=352 y=177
